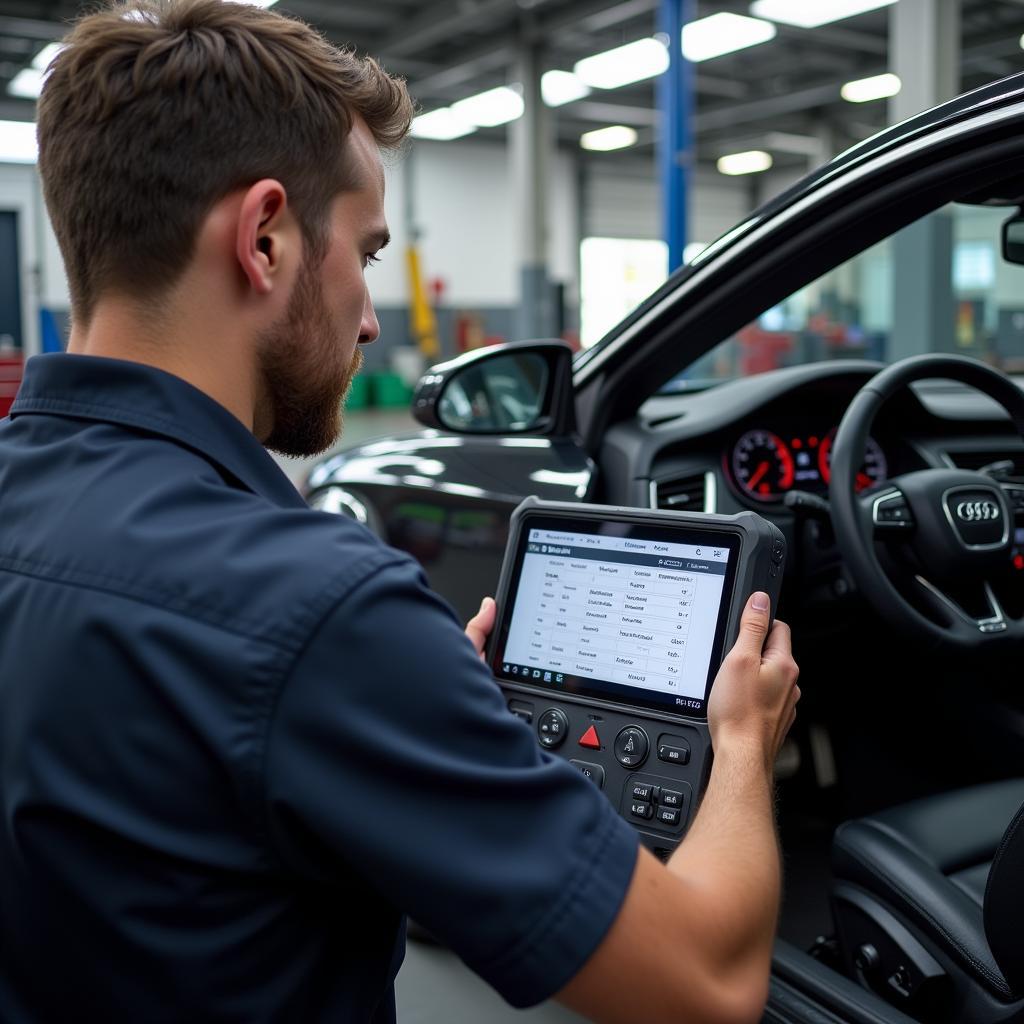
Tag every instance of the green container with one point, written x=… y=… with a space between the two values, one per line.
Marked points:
x=390 y=391
x=359 y=394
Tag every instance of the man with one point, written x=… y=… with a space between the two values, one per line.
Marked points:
x=239 y=740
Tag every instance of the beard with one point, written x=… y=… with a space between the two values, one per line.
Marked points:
x=305 y=377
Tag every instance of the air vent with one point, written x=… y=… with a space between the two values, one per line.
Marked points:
x=694 y=493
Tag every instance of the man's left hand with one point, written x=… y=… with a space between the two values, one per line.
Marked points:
x=479 y=627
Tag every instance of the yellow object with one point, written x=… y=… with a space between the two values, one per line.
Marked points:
x=422 y=321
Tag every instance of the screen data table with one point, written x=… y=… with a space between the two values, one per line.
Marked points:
x=636 y=612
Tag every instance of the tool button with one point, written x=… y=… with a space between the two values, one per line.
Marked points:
x=632 y=746
x=641 y=809
x=668 y=815
x=552 y=728
x=674 y=755
x=642 y=791
x=521 y=709
x=594 y=772
x=670 y=798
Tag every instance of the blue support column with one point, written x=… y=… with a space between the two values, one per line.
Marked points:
x=675 y=101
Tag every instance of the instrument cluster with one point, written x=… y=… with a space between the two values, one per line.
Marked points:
x=765 y=465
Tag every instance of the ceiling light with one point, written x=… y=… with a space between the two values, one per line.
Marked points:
x=27 y=84
x=646 y=58
x=255 y=3
x=864 y=90
x=18 y=142
x=752 y=162
x=561 y=87
x=491 y=108
x=812 y=13
x=41 y=61
x=723 y=33
x=442 y=125
x=604 y=140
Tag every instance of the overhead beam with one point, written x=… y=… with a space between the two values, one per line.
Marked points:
x=30 y=28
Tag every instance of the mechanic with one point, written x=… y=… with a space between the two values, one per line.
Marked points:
x=240 y=739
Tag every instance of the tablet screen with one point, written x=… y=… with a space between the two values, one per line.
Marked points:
x=618 y=611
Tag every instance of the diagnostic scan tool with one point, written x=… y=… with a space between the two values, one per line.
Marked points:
x=612 y=624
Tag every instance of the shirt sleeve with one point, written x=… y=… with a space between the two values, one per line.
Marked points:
x=391 y=754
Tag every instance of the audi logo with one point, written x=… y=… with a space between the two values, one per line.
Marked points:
x=978 y=511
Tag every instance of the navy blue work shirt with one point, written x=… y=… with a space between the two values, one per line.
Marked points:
x=240 y=739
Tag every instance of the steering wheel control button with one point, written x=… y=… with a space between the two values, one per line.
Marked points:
x=892 y=510
x=673 y=751
x=552 y=727
x=591 y=739
x=521 y=709
x=641 y=809
x=642 y=791
x=778 y=552
x=668 y=815
x=632 y=746
x=594 y=772
x=669 y=798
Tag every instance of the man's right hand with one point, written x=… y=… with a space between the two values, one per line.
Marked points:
x=753 y=702
x=700 y=929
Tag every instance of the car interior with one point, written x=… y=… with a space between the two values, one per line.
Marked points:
x=901 y=796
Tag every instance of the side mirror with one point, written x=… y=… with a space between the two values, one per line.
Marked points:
x=518 y=388
x=1013 y=239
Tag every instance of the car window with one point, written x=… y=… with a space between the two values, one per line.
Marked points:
x=860 y=310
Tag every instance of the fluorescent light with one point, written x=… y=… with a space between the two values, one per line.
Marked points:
x=812 y=13
x=18 y=142
x=604 y=140
x=561 y=87
x=442 y=125
x=723 y=33
x=41 y=61
x=752 y=162
x=255 y=3
x=27 y=84
x=864 y=90
x=491 y=108
x=646 y=58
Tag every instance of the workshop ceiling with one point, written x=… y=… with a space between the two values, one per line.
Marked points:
x=450 y=49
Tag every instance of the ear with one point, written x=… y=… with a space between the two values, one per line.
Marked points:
x=265 y=239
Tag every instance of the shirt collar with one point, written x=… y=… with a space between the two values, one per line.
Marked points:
x=140 y=396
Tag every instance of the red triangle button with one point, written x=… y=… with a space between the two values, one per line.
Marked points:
x=590 y=739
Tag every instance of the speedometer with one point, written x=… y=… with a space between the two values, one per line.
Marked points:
x=763 y=465
x=874 y=470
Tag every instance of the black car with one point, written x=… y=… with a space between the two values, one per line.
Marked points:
x=765 y=376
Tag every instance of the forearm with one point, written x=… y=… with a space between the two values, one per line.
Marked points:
x=730 y=860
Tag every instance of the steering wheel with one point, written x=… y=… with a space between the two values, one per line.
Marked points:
x=946 y=534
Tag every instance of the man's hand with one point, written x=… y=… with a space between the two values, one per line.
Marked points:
x=753 y=703
x=478 y=629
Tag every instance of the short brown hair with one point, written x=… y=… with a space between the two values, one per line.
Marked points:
x=157 y=109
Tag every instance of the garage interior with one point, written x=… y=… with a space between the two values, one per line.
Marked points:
x=545 y=195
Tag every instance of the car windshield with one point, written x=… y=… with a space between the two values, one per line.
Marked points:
x=940 y=285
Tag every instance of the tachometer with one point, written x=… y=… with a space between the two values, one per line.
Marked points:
x=762 y=465
x=874 y=470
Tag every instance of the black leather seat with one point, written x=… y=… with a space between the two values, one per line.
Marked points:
x=929 y=903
